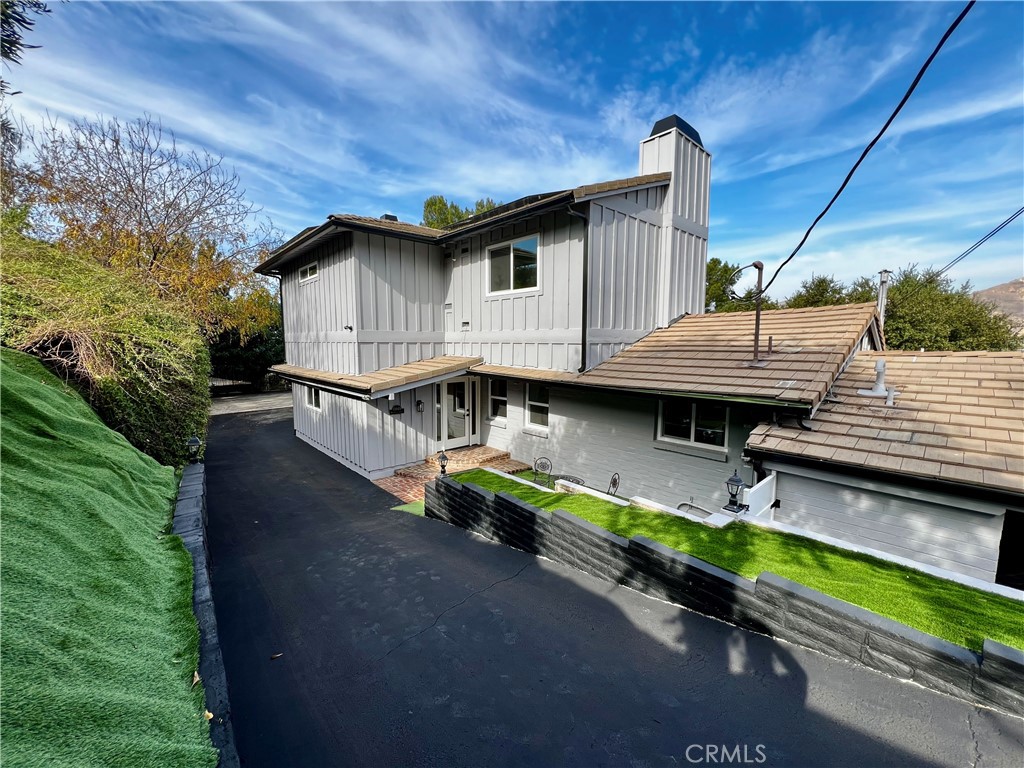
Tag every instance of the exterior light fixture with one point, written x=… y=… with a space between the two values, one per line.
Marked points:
x=419 y=406
x=443 y=461
x=734 y=485
x=193 y=444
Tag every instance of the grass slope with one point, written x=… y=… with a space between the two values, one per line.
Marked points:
x=98 y=642
x=945 y=609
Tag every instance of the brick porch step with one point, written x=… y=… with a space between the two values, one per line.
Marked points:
x=468 y=458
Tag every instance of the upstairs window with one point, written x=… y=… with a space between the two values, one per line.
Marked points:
x=700 y=423
x=309 y=272
x=513 y=266
x=537 y=405
x=313 y=398
x=499 y=399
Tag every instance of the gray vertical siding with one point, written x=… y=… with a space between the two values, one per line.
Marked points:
x=957 y=534
x=535 y=329
x=400 y=285
x=364 y=435
x=317 y=311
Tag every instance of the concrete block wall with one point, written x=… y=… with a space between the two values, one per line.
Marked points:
x=190 y=525
x=771 y=605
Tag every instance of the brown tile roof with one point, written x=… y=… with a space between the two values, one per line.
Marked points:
x=959 y=417
x=590 y=190
x=706 y=355
x=518 y=372
x=384 y=225
x=386 y=378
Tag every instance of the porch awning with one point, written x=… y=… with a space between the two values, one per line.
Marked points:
x=383 y=382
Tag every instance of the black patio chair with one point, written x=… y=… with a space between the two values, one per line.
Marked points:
x=542 y=466
x=613 y=485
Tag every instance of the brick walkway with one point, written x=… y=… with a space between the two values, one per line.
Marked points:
x=407 y=483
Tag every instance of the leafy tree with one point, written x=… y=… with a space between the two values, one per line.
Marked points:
x=232 y=357
x=15 y=20
x=175 y=219
x=818 y=291
x=925 y=310
x=721 y=281
x=439 y=212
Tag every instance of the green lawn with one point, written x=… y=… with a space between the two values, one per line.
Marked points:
x=99 y=643
x=942 y=608
x=413 y=507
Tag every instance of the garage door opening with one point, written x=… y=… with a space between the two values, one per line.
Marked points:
x=1010 y=572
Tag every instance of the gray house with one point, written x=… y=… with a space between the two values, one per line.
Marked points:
x=571 y=325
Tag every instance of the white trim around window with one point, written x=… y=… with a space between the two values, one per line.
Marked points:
x=538 y=409
x=497 y=402
x=503 y=272
x=312 y=398
x=702 y=423
x=309 y=273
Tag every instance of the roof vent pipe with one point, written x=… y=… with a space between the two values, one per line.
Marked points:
x=879 y=390
x=883 y=295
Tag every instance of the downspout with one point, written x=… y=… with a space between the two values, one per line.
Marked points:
x=585 y=319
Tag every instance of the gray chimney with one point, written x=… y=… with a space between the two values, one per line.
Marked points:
x=388 y=217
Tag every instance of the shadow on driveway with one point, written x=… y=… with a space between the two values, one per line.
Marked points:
x=406 y=641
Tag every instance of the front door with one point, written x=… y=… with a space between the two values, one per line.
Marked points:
x=458 y=407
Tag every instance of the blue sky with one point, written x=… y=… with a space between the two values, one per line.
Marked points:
x=369 y=108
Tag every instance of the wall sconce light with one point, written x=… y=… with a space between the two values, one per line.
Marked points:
x=443 y=461
x=193 y=444
x=394 y=410
x=419 y=406
x=734 y=485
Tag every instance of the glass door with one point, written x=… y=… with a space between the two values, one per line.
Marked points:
x=457 y=420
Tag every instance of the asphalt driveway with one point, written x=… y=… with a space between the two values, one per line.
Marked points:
x=404 y=641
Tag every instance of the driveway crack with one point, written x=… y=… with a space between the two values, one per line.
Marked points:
x=450 y=608
x=974 y=737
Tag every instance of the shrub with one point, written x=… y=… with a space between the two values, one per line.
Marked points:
x=139 y=360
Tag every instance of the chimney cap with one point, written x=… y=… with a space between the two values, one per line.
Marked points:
x=388 y=217
x=675 y=121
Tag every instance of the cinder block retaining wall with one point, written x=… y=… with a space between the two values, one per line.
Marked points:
x=771 y=605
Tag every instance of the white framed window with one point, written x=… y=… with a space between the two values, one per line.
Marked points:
x=313 y=398
x=512 y=266
x=697 y=422
x=537 y=405
x=309 y=272
x=497 y=407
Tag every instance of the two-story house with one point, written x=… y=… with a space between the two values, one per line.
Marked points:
x=406 y=339
x=571 y=325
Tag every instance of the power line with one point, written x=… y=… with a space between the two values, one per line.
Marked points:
x=874 y=141
x=934 y=277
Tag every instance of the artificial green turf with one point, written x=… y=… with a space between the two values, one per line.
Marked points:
x=99 y=642
x=413 y=507
x=952 y=611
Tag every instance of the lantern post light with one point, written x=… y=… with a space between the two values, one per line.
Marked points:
x=734 y=485
x=443 y=461
x=193 y=444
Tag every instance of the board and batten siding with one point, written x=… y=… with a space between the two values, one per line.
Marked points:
x=539 y=328
x=625 y=243
x=316 y=311
x=364 y=436
x=594 y=435
x=951 y=532
x=400 y=288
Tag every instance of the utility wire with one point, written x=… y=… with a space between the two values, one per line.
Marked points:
x=874 y=141
x=934 y=277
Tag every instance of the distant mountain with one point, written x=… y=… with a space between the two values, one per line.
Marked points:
x=1008 y=298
